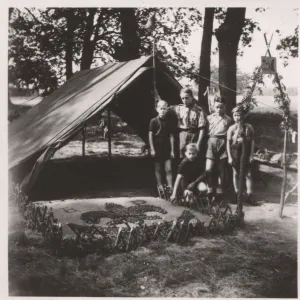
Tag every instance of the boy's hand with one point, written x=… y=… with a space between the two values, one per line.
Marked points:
x=172 y=154
x=173 y=198
x=251 y=159
x=188 y=193
x=230 y=160
x=152 y=152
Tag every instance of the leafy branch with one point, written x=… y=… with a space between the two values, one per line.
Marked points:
x=256 y=80
x=281 y=97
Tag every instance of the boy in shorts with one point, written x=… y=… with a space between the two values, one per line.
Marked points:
x=237 y=134
x=161 y=141
x=216 y=153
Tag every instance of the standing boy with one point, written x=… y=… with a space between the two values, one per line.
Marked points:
x=237 y=134
x=219 y=123
x=161 y=141
x=191 y=121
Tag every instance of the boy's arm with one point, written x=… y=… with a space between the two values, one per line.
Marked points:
x=252 y=144
x=151 y=143
x=229 y=133
x=193 y=184
x=202 y=124
x=252 y=150
x=172 y=140
x=201 y=136
x=176 y=186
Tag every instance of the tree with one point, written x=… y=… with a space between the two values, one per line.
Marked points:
x=44 y=44
x=89 y=43
x=71 y=25
x=288 y=46
x=228 y=36
x=129 y=30
x=205 y=57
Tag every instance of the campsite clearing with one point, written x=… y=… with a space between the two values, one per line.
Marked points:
x=259 y=260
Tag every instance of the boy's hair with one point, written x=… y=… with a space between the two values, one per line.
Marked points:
x=161 y=102
x=239 y=110
x=191 y=146
x=219 y=99
x=188 y=91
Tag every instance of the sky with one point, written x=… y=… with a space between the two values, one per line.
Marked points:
x=283 y=18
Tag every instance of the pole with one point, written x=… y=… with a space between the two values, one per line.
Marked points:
x=109 y=133
x=154 y=75
x=83 y=141
x=283 y=186
x=239 y=207
x=284 y=174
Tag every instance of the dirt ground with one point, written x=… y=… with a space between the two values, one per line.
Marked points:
x=258 y=260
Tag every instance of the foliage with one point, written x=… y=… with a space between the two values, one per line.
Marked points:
x=32 y=53
x=38 y=39
x=288 y=46
x=281 y=97
x=248 y=102
x=249 y=28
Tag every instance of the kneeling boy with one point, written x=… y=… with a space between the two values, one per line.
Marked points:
x=190 y=174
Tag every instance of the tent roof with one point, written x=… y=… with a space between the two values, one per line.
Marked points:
x=64 y=112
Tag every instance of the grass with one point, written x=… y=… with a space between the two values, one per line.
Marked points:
x=221 y=266
x=259 y=260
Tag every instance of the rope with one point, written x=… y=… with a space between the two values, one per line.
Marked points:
x=236 y=93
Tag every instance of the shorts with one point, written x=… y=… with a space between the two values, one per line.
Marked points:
x=162 y=147
x=186 y=137
x=216 y=148
x=236 y=153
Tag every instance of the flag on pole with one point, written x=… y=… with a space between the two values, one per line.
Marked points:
x=150 y=25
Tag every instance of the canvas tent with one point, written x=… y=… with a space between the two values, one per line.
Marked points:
x=126 y=86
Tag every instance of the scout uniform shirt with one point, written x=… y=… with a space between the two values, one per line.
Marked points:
x=218 y=125
x=190 y=118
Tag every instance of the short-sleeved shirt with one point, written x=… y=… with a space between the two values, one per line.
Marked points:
x=190 y=170
x=162 y=127
x=192 y=117
x=218 y=125
x=235 y=132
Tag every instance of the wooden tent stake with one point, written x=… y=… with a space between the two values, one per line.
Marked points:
x=109 y=132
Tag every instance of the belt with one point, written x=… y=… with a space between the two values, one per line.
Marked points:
x=218 y=137
x=190 y=130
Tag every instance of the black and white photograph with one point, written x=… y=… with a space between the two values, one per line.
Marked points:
x=152 y=150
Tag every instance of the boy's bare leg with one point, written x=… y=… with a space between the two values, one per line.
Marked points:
x=168 y=170
x=208 y=170
x=158 y=174
x=235 y=180
x=221 y=167
x=249 y=182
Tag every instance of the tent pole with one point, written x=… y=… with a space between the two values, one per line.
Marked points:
x=109 y=133
x=83 y=141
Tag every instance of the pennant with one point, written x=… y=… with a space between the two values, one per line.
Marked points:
x=150 y=25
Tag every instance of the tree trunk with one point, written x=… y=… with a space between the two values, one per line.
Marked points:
x=88 y=45
x=205 y=57
x=131 y=41
x=69 y=42
x=228 y=36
